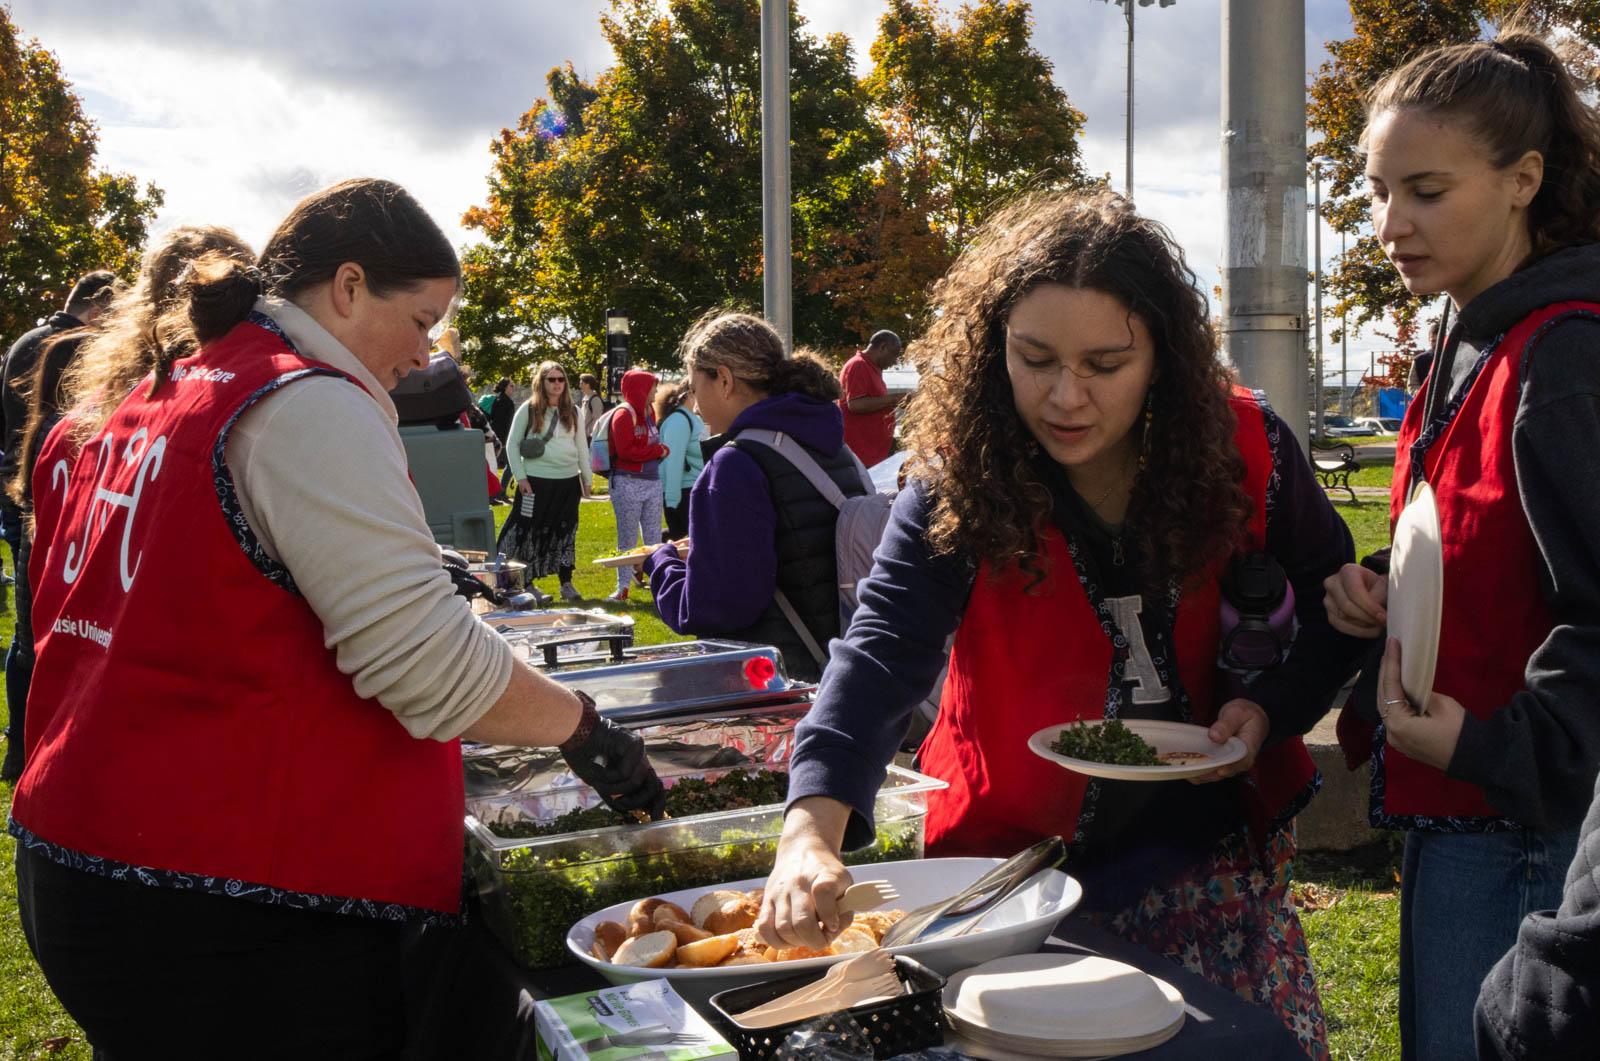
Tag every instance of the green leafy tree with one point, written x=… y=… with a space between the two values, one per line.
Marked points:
x=1386 y=33
x=643 y=190
x=971 y=107
x=60 y=217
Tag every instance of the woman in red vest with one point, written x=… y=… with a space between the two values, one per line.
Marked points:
x=1484 y=167
x=1082 y=475
x=244 y=781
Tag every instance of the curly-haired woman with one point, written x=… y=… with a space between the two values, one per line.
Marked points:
x=1081 y=476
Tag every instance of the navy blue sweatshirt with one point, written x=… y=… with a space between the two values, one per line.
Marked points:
x=913 y=601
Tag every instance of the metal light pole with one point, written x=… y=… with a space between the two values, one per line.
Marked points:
x=1127 y=165
x=1316 y=254
x=1344 y=342
x=1264 y=185
x=1316 y=215
x=1127 y=8
x=776 y=287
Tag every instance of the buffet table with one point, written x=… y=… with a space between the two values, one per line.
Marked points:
x=468 y=998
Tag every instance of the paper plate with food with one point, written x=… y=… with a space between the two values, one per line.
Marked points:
x=704 y=939
x=631 y=558
x=1135 y=749
x=635 y=557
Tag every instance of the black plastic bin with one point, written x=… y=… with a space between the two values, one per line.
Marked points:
x=912 y=1021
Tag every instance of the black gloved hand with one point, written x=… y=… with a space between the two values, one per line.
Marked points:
x=465 y=582
x=611 y=760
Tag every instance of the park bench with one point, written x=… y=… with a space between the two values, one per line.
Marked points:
x=1333 y=463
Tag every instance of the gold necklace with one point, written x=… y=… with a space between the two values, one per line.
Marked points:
x=1118 y=555
x=1105 y=496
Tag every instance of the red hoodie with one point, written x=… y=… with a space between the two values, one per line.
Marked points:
x=635 y=443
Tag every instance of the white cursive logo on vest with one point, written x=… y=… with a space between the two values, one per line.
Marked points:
x=139 y=451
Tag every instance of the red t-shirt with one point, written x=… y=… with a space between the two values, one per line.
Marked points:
x=869 y=435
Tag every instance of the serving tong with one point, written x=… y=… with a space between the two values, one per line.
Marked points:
x=961 y=913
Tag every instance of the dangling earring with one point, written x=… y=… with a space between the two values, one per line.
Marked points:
x=1144 y=443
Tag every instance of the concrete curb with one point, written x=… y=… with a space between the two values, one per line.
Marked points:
x=1336 y=819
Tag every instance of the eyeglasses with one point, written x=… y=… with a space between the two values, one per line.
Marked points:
x=555 y=379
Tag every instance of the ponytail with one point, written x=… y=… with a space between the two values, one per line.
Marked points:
x=189 y=291
x=752 y=351
x=807 y=374
x=1515 y=94
x=220 y=292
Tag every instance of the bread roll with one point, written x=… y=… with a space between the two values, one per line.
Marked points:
x=709 y=903
x=744 y=957
x=653 y=950
x=608 y=936
x=734 y=914
x=708 y=951
x=854 y=941
x=670 y=912
x=794 y=954
x=685 y=932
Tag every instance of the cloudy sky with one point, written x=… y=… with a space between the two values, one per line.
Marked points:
x=238 y=109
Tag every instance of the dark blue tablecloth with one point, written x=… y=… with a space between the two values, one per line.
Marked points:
x=468 y=998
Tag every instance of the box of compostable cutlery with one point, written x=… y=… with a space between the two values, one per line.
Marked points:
x=646 y=1019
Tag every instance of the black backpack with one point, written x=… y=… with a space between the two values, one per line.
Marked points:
x=436 y=394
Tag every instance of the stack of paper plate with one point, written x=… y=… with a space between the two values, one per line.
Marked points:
x=1416 y=593
x=1060 y=1005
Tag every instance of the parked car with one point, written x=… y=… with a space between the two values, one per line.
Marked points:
x=1378 y=425
x=1335 y=426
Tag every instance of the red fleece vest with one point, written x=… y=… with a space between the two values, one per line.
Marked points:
x=1494 y=615
x=185 y=715
x=1026 y=661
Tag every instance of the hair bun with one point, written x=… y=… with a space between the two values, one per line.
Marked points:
x=220 y=293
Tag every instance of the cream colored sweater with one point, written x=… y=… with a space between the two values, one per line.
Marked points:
x=322 y=480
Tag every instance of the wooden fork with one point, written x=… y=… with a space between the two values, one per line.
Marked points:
x=868 y=895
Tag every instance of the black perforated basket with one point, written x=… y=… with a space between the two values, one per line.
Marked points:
x=912 y=1021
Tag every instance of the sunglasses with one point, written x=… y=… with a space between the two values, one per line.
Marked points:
x=555 y=379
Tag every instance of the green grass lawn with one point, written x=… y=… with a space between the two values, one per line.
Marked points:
x=597 y=537
x=1351 y=919
x=1350 y=908
x=1368 y=520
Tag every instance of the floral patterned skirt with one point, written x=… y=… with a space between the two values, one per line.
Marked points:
x=542 y=530
x=1231 y=919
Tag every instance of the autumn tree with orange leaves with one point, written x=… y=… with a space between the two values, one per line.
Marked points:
x=60 y=216
x=1386 y=34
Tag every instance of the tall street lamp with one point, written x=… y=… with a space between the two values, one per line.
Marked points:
x=1316 y=253
x=617 y=325
x=1127 y=8
x=777 y=288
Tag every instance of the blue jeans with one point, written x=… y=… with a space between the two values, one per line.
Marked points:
x=1462 y=896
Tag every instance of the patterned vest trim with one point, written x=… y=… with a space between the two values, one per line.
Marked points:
x=1002 y=688
x=804 y=541
x=210 y=741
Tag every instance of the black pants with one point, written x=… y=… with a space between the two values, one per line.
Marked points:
x=153 y=972
x=19 y=667
x=677 y=519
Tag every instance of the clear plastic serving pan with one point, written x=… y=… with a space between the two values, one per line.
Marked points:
x=535 y=888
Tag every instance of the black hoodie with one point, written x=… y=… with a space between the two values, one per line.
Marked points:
x=1536 y=757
